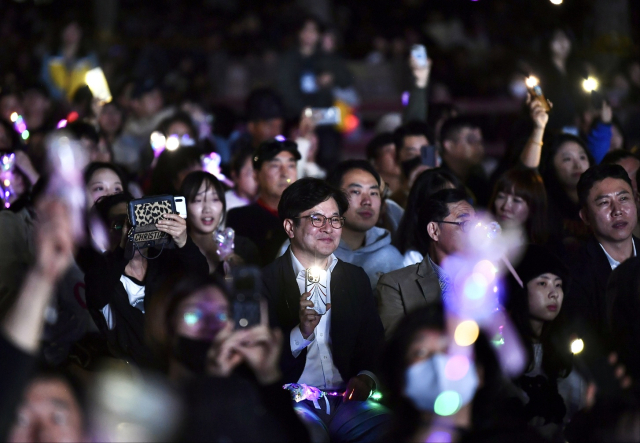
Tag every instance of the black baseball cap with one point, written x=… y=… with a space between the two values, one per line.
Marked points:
x=270 y=148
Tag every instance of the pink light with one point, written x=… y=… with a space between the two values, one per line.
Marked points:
x=61 y=124
x=456 y=367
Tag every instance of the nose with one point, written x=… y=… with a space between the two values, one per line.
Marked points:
x=506 y=205
x=554 y=293
x=366 y=200
x=616 y=208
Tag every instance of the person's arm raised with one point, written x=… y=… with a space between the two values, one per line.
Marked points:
x=54 y=238
x=530 y=156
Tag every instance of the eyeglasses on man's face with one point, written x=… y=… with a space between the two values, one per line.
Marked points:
x=465 y=226
x=319 y=220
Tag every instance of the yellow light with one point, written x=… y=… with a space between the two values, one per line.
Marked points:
x=556 y=2
x=7 y=183
x=14 y=117
x=531 y=81
x=577 y=346
x=590 y=84
x=466 y=333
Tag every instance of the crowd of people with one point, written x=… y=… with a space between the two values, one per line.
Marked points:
x=421 y=291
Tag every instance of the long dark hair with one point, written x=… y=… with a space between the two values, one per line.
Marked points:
x=425 y=185
x=527 y=184
x=557 y=360
x=547 y=168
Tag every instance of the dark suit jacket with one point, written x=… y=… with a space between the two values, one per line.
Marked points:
x=404 y=290
x=356 y=330
x=585 y=302
x=261 y=227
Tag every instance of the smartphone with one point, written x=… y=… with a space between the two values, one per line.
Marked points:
x=245 y=287
x=533 y=86
x=181 y=206
x=428 y=155
x=324 y=116
x=419 y=54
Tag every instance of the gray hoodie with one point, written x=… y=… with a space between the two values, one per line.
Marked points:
x=376 y=257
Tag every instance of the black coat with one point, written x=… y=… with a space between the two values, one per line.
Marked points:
x=585 y=302
x=261 y=227
x=357 y=334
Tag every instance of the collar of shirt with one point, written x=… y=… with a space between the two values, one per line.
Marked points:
x=443 y=279
x=614 y=263
x=297 y=266
x=264 y=206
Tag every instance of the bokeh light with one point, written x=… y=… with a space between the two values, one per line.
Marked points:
x=475 y=286
x=590 y=84
x=466 y=333
x=447 y=403
x=439 y=437
x=173 y=143
x=577 y=346
x=457 y=367
x=556 y=2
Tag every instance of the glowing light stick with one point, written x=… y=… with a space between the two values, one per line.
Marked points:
x=7 y=164
x=97 y=83
x=67 y=159
x=20 y=126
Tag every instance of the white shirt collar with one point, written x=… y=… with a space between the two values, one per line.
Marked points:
x=614 y=263
x=297 y=266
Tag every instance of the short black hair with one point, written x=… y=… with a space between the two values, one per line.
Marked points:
x=104 y=204
x=193 y=181
x=434 y=210
x=596 y=174
x=181 y=117
x=452 y=127
x=92 y=167
x=306 y=193
x=376 y=144
x=80 y=129
x=169 y=165
x=338 y=173
x=239 y=158
x=613 y=157
x=264 y=104
x=412 y=128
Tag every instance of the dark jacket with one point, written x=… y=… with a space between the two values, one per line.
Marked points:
x=103 y=287
x=356 y=330
x=261 y=227
x=585 y=302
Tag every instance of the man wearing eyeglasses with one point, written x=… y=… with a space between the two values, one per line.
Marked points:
x=274 y=166
x=326 y=309
x=443 y=222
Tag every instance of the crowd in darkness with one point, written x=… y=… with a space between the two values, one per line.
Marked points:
x=197 y=252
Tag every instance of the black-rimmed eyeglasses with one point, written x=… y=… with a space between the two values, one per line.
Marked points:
x=319 y=221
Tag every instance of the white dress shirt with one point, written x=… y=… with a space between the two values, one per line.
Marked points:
x=319 y=370
x=612 y=261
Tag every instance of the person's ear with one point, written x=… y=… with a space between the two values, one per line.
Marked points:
x=433 y=229
x=447 y=146
x=584 y=216
x=288 y=227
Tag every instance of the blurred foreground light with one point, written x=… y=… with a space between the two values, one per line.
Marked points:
x=590 y=84
x=531 y=81
x=447 y=403
x=456 y=367
x=439 y=437
x=25 y=134
x=173 y=143
x=281 y=138
x=14 y=117
x=466 y=333
x=577 y=346
x=376 y=396
x=556 y=2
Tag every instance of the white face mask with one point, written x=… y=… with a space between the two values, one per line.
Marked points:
x=427 y=379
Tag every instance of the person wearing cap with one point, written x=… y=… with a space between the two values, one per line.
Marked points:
x=534 y=301
x=265 y=120
x=443 y=223
x=274 y=166
x=608 y=207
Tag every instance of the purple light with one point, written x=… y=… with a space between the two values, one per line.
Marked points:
x=61 y=124
x=405 y=98
x=280 y=138
x=456 y=367
x=439 y=436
